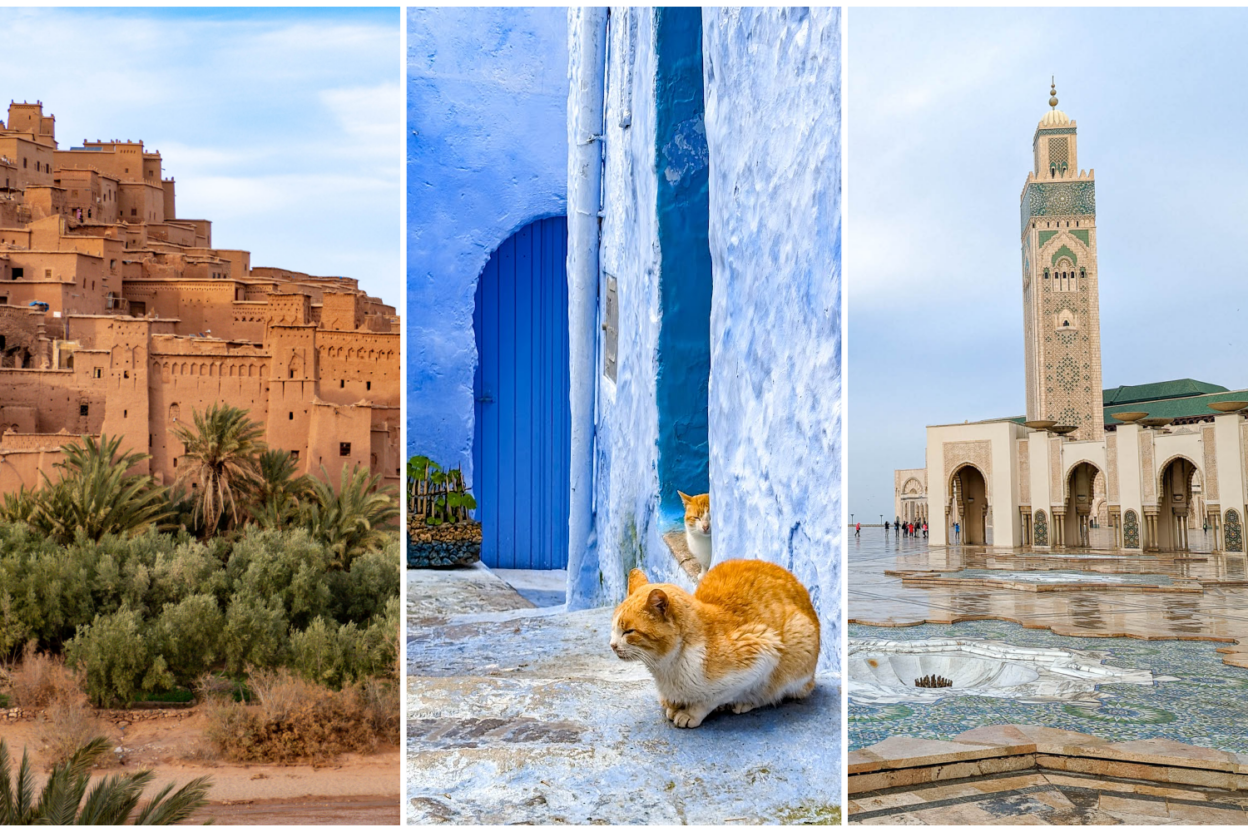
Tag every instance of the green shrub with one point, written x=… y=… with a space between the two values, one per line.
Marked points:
x=288 y=566
x=361 y=592
x=116 y=658
x=188 y=636
x=338 y=655
x=255 y=634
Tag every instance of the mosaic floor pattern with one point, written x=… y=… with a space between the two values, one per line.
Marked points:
x=1207 y=698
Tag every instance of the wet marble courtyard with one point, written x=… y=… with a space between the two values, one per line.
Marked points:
x=1182 y=616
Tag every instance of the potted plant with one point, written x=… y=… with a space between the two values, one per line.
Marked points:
x=440 y=530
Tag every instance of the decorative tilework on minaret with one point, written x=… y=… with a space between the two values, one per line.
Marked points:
x=1061 y=308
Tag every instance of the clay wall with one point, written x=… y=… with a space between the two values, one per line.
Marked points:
x=17 y=427
x=289 y=309
x=199 y=306
x=339 y=438
x=46 y=201
x=341 y=311
x=20 y=332
x=191 y=375
x=141 y=202
x=359 y=365
x=32 y=161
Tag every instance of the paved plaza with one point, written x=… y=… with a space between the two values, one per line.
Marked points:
x=1173 y=625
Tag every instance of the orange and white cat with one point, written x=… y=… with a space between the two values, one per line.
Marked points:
x=748 y=637
x=698 y=527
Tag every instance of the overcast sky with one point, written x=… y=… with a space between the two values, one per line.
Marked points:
x=942 y=108
x=282 y=126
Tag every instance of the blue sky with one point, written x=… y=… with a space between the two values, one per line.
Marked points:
x=942 y=107
x=282 y=126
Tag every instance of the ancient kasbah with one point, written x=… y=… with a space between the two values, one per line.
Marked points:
x=120 y=317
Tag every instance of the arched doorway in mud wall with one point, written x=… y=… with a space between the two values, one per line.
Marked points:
x=1082 y=493
x=521 y=442
x=1175 y=504
x=968 y=505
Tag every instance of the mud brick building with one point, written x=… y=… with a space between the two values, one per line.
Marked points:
x=119 y=317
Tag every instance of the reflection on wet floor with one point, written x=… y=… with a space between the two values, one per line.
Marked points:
x=1186 y=595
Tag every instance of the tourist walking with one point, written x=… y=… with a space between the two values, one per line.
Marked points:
x=857 y=530
x=957 y=532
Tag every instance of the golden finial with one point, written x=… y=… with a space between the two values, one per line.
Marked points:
x=1053 y=93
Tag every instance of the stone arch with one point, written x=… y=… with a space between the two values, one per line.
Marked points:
x=1079 y=501
x=1161 y=469
x=969 y=501
x=1175 y=499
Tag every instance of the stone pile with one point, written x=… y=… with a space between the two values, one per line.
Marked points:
x=450 y=544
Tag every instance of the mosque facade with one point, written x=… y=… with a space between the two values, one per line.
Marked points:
x=1146 y=463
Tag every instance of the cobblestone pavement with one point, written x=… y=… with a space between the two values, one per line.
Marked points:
x=523 y=715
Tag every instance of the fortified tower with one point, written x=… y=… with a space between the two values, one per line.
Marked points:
x=1061 y=307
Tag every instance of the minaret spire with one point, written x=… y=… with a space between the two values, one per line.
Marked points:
x=1053 y=93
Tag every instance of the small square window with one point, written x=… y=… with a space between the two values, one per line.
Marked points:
x=99 y=373
x=368 y=385
x=344 y=449
x=292 y=416
x=342 y=382
x=294 y=454
x=82 y=409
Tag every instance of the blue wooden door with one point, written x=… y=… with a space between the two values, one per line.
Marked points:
x=521 y=444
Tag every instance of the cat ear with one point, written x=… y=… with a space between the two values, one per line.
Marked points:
x=684 y=498
x=657 y=602
x=636 y=580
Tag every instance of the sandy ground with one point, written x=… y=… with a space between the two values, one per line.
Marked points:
x=354 y=789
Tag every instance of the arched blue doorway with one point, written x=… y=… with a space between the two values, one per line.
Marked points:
x=520 y=450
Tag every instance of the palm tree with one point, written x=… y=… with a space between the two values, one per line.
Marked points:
x=112 y=801
x=95 y=495
x=353 y=519
x=278 y=492
x=19 y=506
x=223 y=452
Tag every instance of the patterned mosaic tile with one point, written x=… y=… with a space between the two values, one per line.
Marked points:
x=1204 y=707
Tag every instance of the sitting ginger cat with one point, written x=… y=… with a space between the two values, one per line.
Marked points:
x=749 y=637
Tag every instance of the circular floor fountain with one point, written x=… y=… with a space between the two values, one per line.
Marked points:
x=928 y=670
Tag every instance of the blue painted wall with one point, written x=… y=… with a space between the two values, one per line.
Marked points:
x=625 y=528
x=684 y=359
x=650 y=434
x=773 y=125
x=487 y=154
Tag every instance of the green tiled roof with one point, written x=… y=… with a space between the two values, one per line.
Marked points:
x=1177 y=408
x=1179 y=388
x=1179 y=399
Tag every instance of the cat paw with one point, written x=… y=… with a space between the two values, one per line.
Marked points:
x=687 y=719
x=742 y=707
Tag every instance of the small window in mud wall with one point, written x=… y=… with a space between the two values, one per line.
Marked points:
x=174 y=412
x=344 y=449
x=684 y=296
x=83 y=409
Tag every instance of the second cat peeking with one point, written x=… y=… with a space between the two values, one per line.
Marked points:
x=698 y=527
